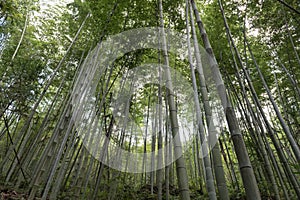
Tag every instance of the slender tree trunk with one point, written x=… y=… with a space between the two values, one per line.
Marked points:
x=260 y=142
x=292 y=80
x=200 y=127
x=182 y=176
x=22 y=132
x=286 y=129
x=22 y=36
x=291 y=39
x=217 y=160
x=159 y=173
x=248 y=177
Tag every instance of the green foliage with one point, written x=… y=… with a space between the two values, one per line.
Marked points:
x=270 y=30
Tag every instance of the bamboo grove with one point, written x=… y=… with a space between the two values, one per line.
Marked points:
x=142 y=99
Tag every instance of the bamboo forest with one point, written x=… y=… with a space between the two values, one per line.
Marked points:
x=150 y=99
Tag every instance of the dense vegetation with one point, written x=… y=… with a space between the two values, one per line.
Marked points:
x=222 y=75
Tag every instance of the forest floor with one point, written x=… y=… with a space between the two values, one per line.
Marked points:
x=8 y=193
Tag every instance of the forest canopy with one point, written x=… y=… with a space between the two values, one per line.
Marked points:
x=150 y=99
